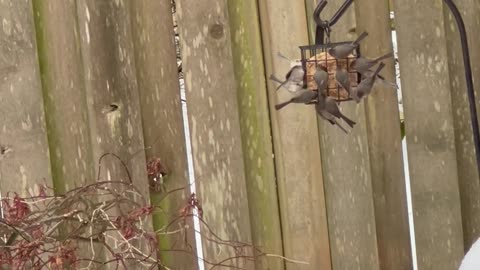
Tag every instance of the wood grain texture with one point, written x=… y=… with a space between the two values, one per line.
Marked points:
x=384 y=142
x=466 y=161
x=64 y=94
x=22 y=118
x=211 y=94
x=157 y=77
x=296 y=141
x=255 y=130
x=111 y=87
x=347 y=174
x=430 y=133
x=65 y=100
x=112 y=93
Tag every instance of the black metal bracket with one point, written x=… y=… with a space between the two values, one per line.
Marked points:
x=324 y=26
x=468 y=77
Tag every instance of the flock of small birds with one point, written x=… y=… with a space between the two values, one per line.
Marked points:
x=325 y=105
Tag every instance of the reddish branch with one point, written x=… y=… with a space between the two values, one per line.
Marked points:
x=54 y=232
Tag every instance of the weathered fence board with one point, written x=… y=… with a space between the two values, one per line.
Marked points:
x=111 y=87
x=64 y=94
x=296 y=142
x=112 y=94
x=285 y=181
x=214 y=124
x=347 y=173
x=467 y=164
x=65 y=101
x=430 y=133
x=384 y=141
x=256 y=132
x=24 y=156
x=158 y=87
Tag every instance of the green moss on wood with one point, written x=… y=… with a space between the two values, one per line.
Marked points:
x=161 y=219
x=255 y=129
x=42 y=51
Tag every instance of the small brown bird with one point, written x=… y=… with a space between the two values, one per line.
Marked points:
x=365 y=86
x=332 y=107
x=293 y=76
x=343 y=79
x=321 y=108
x=303 y=96
x=363 y=64
x=342 y=51
x=321 y=78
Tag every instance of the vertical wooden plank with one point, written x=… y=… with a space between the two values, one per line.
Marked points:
x=384 y=142
x=65 y=101
x=256 y=132
x=64 y=94
x=347 y=172
x=22 y=119
x=296 y=142
x=112 y=93
x=111 y=87
x=430 y=133
x=214 y=123
x=348 y=189
x=466 y=160
x=157 y=77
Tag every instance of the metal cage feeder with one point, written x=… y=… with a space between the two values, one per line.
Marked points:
x=317 y=54
x=313 y=55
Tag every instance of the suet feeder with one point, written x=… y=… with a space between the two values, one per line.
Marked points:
x=313 y=55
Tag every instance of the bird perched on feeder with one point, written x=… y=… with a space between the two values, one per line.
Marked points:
x=292 y=87
x=303 y=96
x=365 y=86
x=363 y=65
x=343 y=79
x=321 y=78
x=342 y=51
x=294 y=76
x=332 y=107
x=322 y=109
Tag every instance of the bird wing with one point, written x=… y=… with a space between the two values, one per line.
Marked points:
x=289 y=73
x=332 y=108
x=344 y=84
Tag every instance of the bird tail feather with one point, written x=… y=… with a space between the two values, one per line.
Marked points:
x=349 y=121
x=387 y=83
x=282 y=84
x=340 y=126
x=361 y=37
x=281 y=105
x=277 y=80
x=386 y=56
x=379 y=68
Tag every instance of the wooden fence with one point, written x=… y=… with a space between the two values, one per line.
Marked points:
x=284 y=181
